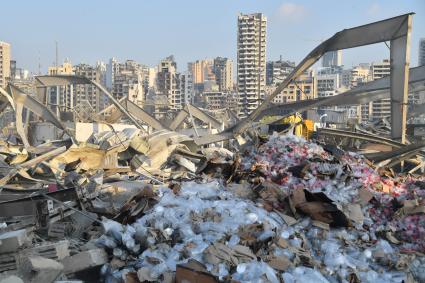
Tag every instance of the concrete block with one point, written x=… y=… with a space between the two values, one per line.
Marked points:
x=11 y=279
x=53 y=250
x=11 y=241
x=84 y=260
x=38 y=263
x=7 y=262
x=13 y=261
x=47 y=276
x=37 y=269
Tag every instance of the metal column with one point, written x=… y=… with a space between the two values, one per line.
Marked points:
x=400 y=57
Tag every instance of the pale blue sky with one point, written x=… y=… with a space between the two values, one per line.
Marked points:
x=146 y=31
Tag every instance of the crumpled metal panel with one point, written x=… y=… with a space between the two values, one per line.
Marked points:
x=21 y=100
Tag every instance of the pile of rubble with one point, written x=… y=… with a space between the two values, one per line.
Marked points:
x=129 y=207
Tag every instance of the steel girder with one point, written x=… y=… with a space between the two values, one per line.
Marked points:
x=131 y=110
x=115 y=114
x=359 y=136
x=134 y=110
x=8 y=98
x=400 y=56
x=178 y=120
x=58 y=80
x=396 y=30
x=371 y=91
x=18 y=100
x=118 y=105
x=142 y=115
x=196 y=112
x=401 y=153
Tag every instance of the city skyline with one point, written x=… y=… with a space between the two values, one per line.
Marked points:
x=144 y=37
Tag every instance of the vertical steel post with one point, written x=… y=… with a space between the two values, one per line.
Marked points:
x=400 y=58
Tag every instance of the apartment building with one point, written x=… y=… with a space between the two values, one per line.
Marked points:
x=421 y=52
x=332 y=58
x=356 y=76
x=169 y=84
x=61 y=99
x=88 y=93
x=304 y=87
x=277 y=71
x=4 y=63
x=251 y=62
x=223 y=71
x=202 y=70
x=380 y=108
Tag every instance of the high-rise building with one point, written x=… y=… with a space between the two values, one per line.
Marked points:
x=128 y=86
x=111 y=70
x=223 y=71
x=125 y=84
x=421 y=59
x=329 y=81
x=380 y=69
x=152 y=77
x=4 y=63
x=202 y=70
x=380 y=108
x=64 y=69
x=188 y=88
x=102 y=67
x=168 y=83
x=352 y=78
x=327 y=84
x=332 y=58
x=277 y=71
x=61 y=98
x=129 y=79
x=251 y=64
x=88 y=93
x=13 y=72
x=17 y=73
x=356 y=76
x=21 y=78
x=303 y=88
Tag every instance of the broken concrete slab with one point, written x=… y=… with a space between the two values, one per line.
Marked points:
x=7 y=262
x=13 y=260
x=11 y=279
x=84 y=260
x=53 y=250
x=39 y=263
x=11 y=241
x=46 y=276
x=39 y=269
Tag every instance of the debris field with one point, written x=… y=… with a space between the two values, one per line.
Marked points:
x=130 y=207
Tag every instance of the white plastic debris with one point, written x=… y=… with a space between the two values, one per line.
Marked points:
x=183 y=226
x=304 y=275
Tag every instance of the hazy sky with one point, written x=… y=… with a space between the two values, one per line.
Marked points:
x=147 y=31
